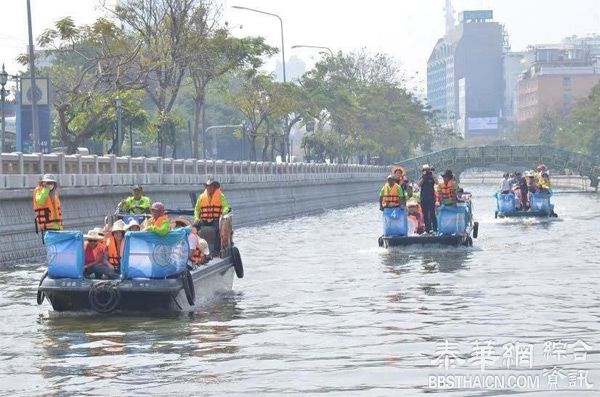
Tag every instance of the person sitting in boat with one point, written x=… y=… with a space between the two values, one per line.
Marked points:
x=524 y=190
x=137 y=203
x=391 y=194
x=410 y=193
x=46 y=205
x=544 y=183
x=159 y=222
x=415 y=215
x=504 y=187
x=447 y=189
x=199 y=251
x=133 y=226
x=114 y=245
x=532 y=186
x=94 y=257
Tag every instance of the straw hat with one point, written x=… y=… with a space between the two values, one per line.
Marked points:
x=118 y=226
x=398 y=167
x=181 y=220
x=93 y=235
x=132 y=223
x=99 y=230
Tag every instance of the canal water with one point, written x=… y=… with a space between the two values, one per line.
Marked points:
x=324 y=309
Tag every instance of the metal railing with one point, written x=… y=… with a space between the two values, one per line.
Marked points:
x=18 y=170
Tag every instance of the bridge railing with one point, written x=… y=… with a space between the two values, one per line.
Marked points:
x=19 y=170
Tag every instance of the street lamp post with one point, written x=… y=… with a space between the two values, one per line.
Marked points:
x=214 y=142
x=34 y=109
x=314 y=46
x=281 y=23
x=282 y=55
x=3 y=81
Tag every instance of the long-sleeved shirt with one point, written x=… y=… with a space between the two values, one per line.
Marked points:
x=504 y=185
x=131 y=205
x=159 y=226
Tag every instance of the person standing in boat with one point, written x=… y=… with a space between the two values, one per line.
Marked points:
x=114 y=245
x=427 y=183
x=94 y=257
x=391 y=194
x=400 y=175
x=504 y=187
x=447 y=189
x=211 y=204
x=159 y=222
x=137 y=203
x=46 y=205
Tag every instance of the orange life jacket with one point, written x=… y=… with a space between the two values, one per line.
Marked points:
x=391 y=195
x=158 y=221
x=48 y=214
x=210 y=207
x=446 y=192
x=114 y=252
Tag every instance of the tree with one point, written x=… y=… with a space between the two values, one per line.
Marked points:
x=215 y=54
x=254 y=98
x=164 y=29
x=363 y=99
x=90 y=66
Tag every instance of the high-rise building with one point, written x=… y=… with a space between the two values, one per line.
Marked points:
x=558 y=76
x=465 y=75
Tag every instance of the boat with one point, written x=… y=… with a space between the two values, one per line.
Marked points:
x=455 y=227
x=539 y=206
x=155 y=274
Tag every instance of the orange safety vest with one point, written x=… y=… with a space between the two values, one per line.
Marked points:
x=114 y=252
x=391 y=196
x=210 y=208
x=157 y=221
x=446 y=191
x=49 y=212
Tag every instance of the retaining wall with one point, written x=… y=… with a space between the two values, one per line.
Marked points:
x=254 y=199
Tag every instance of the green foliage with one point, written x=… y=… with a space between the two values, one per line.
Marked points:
x=361 y=98
x=579 y=130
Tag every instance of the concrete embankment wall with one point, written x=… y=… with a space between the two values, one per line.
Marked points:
x=254 y=199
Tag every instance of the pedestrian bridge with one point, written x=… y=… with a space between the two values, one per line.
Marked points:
x=506 y=158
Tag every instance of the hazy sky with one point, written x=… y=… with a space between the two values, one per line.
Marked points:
x=405 y=29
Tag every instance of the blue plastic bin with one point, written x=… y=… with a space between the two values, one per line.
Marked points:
x=64 y=251
x=452 y=219
x=148 y=255
x=506 y=202
x=540 y=202
x=395 y=222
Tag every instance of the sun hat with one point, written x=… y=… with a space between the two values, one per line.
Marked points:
x=182 y=221
x=158 y=206
x=132 y=223
x=118 y=226
x=48 y=178
x=398 y=167
x=93 y=235
x=412 y=203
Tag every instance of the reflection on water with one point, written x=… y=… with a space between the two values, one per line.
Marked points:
x=323 y=309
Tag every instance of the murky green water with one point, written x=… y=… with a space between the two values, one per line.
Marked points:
x=323 y=309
